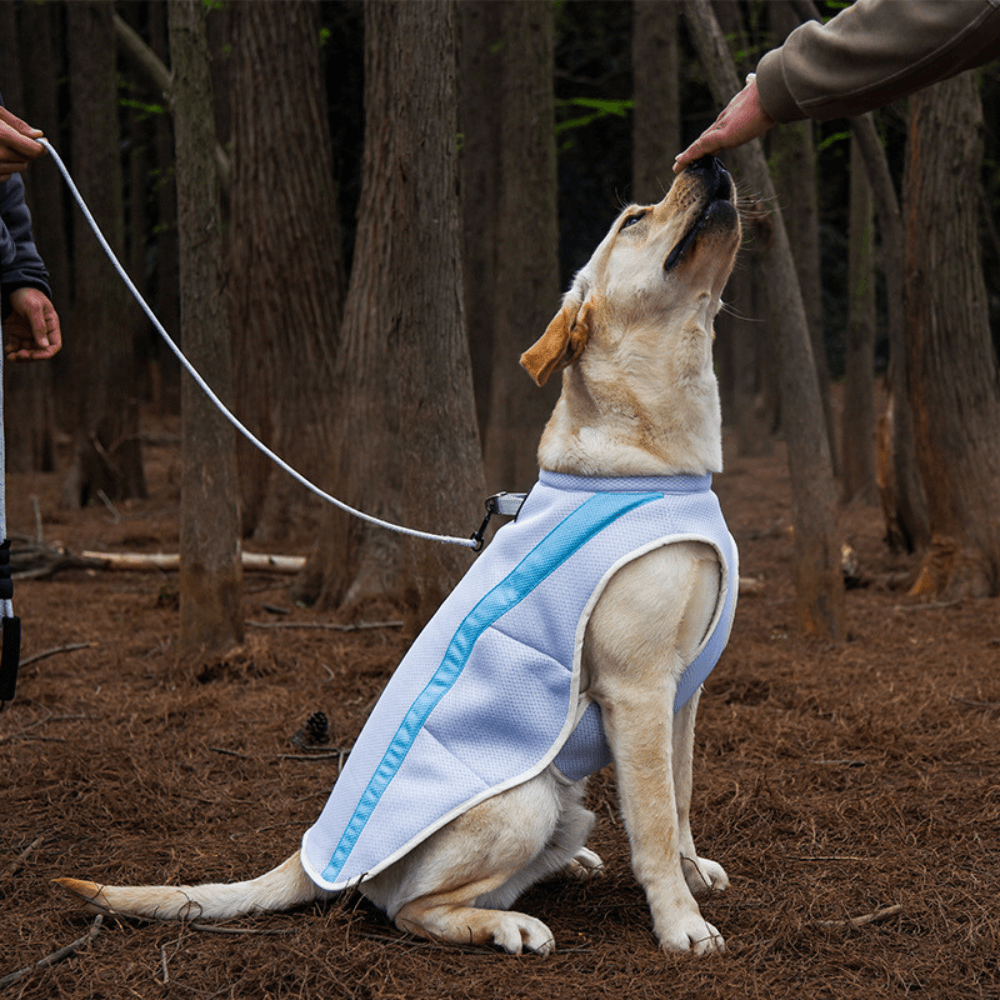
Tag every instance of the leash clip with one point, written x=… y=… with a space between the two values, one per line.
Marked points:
x=506 y=505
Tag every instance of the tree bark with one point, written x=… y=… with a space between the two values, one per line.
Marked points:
x=818 y=583
x=526 y=295
x=407 y=444
x=953 y=380
x=858 y=419
x=656 y=117
x=792 y=158
x=211 y=575
x=900 y=490
x=479 y=122
x=107 y=456
x=287 y=274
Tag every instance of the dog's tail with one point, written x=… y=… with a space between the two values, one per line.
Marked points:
x=280 y=889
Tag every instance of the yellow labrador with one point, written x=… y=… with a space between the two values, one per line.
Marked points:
x=640 y=409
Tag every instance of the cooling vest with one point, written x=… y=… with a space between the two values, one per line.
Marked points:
x=489 y=694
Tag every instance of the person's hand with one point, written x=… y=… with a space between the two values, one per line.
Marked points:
x=17 y=144
x=741 y=120
x=32 y=330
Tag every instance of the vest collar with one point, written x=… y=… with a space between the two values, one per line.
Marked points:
x=625 y=484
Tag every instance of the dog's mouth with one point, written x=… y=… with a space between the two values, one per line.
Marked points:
x=717 y=207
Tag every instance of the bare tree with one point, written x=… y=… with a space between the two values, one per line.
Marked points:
x=954 y=384
x=287 y=273
x=107 y=456
x=858 y=420
x=526 y=293
x=211 y=574
x=656 y=115
x=407 y=447
x=481 y=60
x=818 y=581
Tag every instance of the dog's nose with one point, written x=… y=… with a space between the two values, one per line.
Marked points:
x=715 y=175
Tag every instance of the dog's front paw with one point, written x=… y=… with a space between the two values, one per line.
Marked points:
x=584 y=866
x=691 y=933
x=517 y=933
x=703 y=875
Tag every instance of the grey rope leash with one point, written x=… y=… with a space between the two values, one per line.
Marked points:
x=470 y=543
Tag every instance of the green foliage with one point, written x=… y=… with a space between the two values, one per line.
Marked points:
x=831 y=140
x=597 y=108
x=143 y=106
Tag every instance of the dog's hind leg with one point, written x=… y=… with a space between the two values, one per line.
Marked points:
x=455 y=886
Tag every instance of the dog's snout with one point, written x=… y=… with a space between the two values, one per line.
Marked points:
x=716 y=177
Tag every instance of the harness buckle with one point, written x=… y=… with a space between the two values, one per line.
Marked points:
x=506 y=505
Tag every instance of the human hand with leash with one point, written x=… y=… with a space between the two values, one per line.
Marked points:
x=17 y=144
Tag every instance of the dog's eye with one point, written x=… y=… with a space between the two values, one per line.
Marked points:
x=632 y=220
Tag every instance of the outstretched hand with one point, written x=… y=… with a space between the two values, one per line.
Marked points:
x=17 y=144
x=741 y=120
x=32 y=330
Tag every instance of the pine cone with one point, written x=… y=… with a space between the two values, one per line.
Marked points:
x=315 y=732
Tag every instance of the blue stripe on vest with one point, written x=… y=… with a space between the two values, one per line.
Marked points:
x=588 y=520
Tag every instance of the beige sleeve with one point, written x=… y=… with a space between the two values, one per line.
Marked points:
x=875 y=52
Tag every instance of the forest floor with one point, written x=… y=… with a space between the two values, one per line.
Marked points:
x=831 y=781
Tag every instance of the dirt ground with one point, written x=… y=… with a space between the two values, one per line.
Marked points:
x=832 y=782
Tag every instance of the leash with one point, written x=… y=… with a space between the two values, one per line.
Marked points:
x=475 y=542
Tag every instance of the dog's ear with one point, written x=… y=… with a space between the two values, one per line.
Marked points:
x=561 y=344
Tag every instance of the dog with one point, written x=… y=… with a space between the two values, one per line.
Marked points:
x=467 y=784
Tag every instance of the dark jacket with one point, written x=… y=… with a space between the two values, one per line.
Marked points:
x=875 y=52
x=20 y=264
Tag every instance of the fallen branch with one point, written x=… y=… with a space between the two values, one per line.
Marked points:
x=23 y=856
x=968 y=702
x=867 y=918
x=141 y=561
x=213 y=929
x=55 y=652
x=333 y=626
x=56 y=956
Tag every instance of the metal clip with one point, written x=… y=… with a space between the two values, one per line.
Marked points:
x=503 y=503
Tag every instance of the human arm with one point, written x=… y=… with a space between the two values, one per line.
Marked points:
x=30 y=322
x=872 y=53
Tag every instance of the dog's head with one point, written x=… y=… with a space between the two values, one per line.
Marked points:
x=635 y=329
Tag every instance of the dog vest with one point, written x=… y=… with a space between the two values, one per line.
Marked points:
x=489 y=694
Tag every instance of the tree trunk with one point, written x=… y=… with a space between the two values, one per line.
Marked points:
x=858 y=419
x=479 y=122
x=793 y=166
x=900 y=491
x=953 y=379
x=526 y=295
x=211 y=575
x=27 y=387
x=164 y=372
x=407 y=444
x=287 y=277
x=107 y=456
x=818 y=583
x=656 y=116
